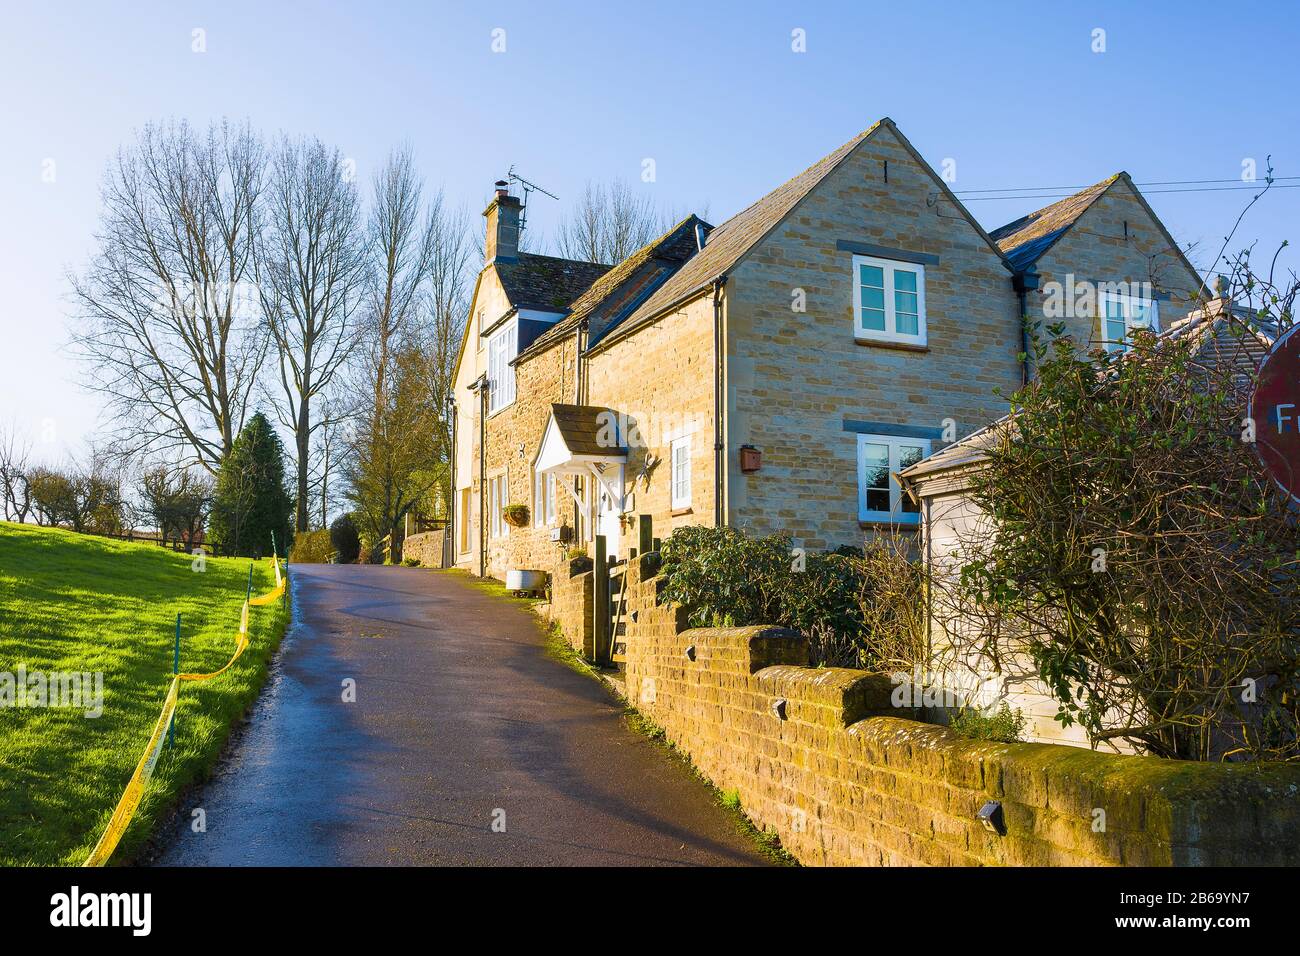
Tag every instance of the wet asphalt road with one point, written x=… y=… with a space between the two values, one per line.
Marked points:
x=459 y=713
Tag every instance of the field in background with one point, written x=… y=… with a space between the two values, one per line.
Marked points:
x=73 y=602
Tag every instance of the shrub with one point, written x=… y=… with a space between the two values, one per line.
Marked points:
x=724 y=577
x=1137 y=552
x=311 y=547
x=345 y=539
x=410 y=562
x=891 y=604
x=1003 y=725
x=858 y=607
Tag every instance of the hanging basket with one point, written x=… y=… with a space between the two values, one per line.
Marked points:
x=515 y=515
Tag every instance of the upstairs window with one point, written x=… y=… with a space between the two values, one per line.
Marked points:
x=1121 y=315
x=502 y=348
x=888 y=301
x=681 y=472
x=880 y=457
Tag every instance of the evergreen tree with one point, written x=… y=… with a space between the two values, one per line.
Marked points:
x=251 y=501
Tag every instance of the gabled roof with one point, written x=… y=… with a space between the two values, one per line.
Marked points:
x=546 y=283
x=580 y=426
x=614 y=296
x=731 y=241
x=1025 y=240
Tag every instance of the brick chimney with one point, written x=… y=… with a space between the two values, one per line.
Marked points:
x=502 y=216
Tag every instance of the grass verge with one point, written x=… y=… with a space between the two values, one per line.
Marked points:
x=76 y=603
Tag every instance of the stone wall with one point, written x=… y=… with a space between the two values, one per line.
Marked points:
x=425 y=546
x=798 y=382
x=821 y=756
x=571 y=602
x=661 y=378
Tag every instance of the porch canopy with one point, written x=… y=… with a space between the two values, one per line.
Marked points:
x=584 y=440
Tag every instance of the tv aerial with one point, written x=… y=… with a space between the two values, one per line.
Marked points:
x=528 y=187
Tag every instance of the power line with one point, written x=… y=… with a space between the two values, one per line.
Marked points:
x=1069 y=190
x=1145 y=192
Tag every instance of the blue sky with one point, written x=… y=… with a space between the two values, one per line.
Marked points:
x=713 y=93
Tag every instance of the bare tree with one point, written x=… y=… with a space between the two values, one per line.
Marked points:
x=170 y=333
x=15 y=490
x=400 y=244
x=330 y=443
x=310 y=268
x=177 y=501
x=412 y=329
x=448 y=305
x=609 y=223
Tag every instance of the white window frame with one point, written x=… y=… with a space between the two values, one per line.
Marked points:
x=680 y=446
x=890 y=333
x=545 y=487
x=498 y=498
x=895 y=514
x=1128 y=304
x=502 y=346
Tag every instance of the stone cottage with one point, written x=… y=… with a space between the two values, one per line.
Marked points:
x=774 y=372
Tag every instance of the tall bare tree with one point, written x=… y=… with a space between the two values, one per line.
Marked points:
x=170 y=327
x=310 y=265
x=609 y=223
x=411 y=331
x=330 y=444
x=448 y=306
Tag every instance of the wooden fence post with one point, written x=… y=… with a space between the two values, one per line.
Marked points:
x=600 y=603
x=647 y=534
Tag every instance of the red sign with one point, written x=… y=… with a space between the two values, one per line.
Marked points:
x=1275 y=408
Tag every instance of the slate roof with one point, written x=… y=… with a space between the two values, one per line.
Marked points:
x=730 y=241
x=613 y=297
x=1025 y=240
x=546 y=283
x=580 y=426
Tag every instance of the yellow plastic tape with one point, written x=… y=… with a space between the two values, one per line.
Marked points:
x=130 y=801
x=126 y=807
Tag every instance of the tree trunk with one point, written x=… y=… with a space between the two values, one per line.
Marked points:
x=303 y=439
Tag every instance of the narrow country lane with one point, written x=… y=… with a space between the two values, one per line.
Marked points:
x=459 y=714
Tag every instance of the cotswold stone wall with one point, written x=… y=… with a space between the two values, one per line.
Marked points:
x=426 y=546
x=821 y=756
x=571 y=603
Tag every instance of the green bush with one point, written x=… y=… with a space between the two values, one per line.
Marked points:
x=410 y=562
x=311 y=547
x=345 y=539
x=1003 y=725
x=725 y=578
x=858 y=607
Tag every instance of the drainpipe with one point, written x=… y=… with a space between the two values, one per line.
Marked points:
x=449 y=536
x=719 y=442
x=481 y=386
x=1023 y=282
x=579 y=334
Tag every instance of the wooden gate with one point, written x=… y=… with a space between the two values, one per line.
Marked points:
x=610 y=598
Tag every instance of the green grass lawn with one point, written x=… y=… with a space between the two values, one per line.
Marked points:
x=73 y=602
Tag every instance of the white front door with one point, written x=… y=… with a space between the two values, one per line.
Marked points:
x=609 y=510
